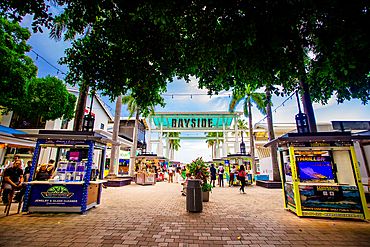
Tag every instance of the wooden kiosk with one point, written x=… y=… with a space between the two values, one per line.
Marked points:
x=75 y=185
x=320 y=175
x=145 y=173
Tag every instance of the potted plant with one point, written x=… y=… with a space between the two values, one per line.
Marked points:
x=199 y=170
x=206 y=188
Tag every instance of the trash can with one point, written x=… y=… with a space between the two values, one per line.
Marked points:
x=194 y=200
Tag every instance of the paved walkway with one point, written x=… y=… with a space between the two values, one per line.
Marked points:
x=137 y=215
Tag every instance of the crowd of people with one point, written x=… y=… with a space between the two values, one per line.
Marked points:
x=14 y=176
x=179 y=175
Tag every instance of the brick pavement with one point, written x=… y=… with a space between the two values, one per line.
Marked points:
x=137 y=215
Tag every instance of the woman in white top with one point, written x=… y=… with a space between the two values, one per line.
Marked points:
x=232 y=172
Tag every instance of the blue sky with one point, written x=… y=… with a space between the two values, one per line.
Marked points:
x=52 y=51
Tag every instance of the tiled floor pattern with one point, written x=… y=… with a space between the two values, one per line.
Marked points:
x=137 y=215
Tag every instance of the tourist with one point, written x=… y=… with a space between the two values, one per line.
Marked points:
x=27 y=171
x=43 y=173
x=213 y=175
x=242 y=178
x=221 y=171
x=232 y=174
x=13 y=179
x=170 y=174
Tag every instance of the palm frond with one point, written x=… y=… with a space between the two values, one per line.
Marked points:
x=235 y=101
x=259 y=99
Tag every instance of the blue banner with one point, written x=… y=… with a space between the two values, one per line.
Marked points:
x=56 y=195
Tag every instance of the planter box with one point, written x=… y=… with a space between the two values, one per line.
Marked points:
x=205 y=196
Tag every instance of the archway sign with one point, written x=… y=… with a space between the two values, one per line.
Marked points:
x=223 y=122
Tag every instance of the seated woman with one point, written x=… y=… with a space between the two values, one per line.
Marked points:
x=44 y=172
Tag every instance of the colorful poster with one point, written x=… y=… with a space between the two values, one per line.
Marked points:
x=56 y=195
x=345 y=199
x=289 y=195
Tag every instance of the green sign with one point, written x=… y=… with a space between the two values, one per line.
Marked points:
x=57 y=192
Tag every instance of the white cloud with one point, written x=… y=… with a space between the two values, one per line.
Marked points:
x=331 y=101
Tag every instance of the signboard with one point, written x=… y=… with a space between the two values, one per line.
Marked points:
x=56 y=195
x=63 y=142
x=321 y=144
x=192 y=123
x=344 y=199
x=122 y=154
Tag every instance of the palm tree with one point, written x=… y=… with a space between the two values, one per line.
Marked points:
x=173 y=144
x=213 y=142
x=117 y=118
x=249 y=95
x=133 y=108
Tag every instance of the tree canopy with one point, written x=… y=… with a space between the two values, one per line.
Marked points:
x=16 y=68
x=46 y=97
x=321 y=47
x=21 y=91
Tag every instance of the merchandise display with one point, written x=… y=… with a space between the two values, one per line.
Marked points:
x=73 y=184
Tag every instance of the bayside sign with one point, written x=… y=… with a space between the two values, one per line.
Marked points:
x=192 y=123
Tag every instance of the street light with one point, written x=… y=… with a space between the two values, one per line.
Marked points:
x=242 y=146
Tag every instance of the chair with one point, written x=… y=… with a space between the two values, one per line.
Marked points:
x=10 y=199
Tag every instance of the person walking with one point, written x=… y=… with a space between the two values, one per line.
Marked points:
x=221 y=171
x=232 y=175
x=170 y=174
x=242 y=178
x=213 y=175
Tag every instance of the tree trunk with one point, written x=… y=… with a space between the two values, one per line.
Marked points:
x=214 y=151
x=307 y=104
x=273 y=148
x=251 y=140
x=80 y=109
x=134 y=143
x=117 y=117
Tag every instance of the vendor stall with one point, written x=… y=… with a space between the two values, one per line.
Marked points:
x=237 y=160
x=147 y=167
x=74 y=185
x=320 y=175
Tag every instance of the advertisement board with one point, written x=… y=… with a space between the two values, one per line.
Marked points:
x=344 y=199
x=56 y=195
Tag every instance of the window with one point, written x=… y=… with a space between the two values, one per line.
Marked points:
x=101 y=126
x=64 y=124
x=20 y=122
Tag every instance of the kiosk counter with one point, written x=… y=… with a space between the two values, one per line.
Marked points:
x=237 y=160
x=74 y=184
x=320 y=175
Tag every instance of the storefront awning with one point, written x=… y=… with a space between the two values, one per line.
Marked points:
x=7 y=138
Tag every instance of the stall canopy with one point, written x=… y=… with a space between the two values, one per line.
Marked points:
x=7 y=138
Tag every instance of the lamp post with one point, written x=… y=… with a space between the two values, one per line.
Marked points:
x=88 y=120
x=242 y=146
x=301 y=119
